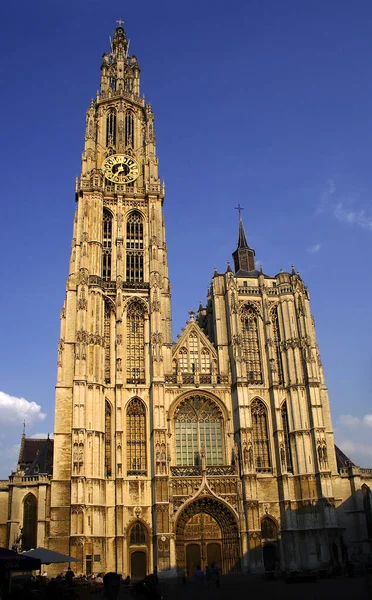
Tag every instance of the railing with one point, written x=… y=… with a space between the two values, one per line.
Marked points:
x=246 y=289
x=135 y=285
x=196 y=471
x=365 y=471
x=264 y=470
x=137 y=473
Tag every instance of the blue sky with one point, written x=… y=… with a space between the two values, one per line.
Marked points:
x=260 y=102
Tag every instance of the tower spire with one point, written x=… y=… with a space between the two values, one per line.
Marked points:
x=243 y=255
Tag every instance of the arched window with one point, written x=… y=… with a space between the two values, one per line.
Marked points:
x=269 y=530
x=287 y=442
x=111 y=128
x=135 y=343
x=129 y=129
x=182 y=360
x=260 y=435
x=106 y=245
x=367 y=505
x=198 y=428
x=276 y=343
x=136 y=438
x=29 y=533
x=205 y=361
x=107 y=336
x=193 y=352
x=251 y=344
x=108 y=440
x=134 y=245
x=138 y=534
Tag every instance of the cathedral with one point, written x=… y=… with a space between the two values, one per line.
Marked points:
x=216 y=448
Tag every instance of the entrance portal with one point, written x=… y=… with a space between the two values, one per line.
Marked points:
x=207 y=533
x=138 y=565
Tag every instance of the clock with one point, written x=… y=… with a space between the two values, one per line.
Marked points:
x=120 y=168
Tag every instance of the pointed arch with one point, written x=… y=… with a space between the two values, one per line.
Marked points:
x=198 y=424
x=138 y=534
x=287 y=442
x=269 y=529
x=129 y=129
x=276 y=342
x=106 y=244
x=135 y=346
x=111 y=127
x=134 y=247
x=136 y=437
x=367 y=505
x=251 y=343
x=108 y=439
x=260 y=435
x=107 y=341
x=29 y=534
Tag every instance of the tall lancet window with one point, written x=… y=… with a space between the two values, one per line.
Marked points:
x=251 y=344
x=106 y=245
x=135 y=343
x=287 y=442
x=276 y=343
x=29 y=535
x=260 y=435
x=129 y=129
x=134 y=248
x=136 y=438
x=198 y=428
x=111 y=128
x=107 y=340
x=108 y=440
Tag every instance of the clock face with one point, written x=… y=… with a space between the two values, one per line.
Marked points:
x=120 y=168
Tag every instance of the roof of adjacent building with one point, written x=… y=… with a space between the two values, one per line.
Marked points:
x=342 y=460
x=36 y=456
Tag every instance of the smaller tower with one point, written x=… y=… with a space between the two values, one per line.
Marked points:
x=243 y=255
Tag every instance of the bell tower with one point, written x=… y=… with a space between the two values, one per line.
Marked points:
x=115 y=341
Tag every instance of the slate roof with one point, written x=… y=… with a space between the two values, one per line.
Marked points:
x=36 y=456
x=342 y=460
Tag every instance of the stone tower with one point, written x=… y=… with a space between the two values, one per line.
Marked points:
x=115 y=342
x=217 y=448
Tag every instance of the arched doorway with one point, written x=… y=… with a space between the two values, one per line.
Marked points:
x=203 y=542
x=206 y=533
x=138 y=565
x=270 y=547
x=138 y=548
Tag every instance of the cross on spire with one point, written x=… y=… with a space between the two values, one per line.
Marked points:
x=120 y=21
x=239 y=209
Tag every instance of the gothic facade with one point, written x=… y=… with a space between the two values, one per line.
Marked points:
x=216 y=448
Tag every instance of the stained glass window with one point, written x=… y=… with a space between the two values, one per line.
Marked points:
x=29 y=534
x=106 y=245
x=134 y=245
x=111 y=128
x=260 y=435
x=135 y=343
x=287 y=443
x=198 y=427
x=108 y=440
x=136 y=438
x=251 y=344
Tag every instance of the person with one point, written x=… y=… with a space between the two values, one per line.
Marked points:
x=127 y=580
x=199 y=576
x=111 y=585
x=69 y=577
x=147 y=588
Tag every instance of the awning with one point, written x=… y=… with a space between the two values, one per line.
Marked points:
x=48 y=557
x=11 y=561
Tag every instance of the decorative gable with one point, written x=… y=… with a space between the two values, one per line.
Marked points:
x=193 y=352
